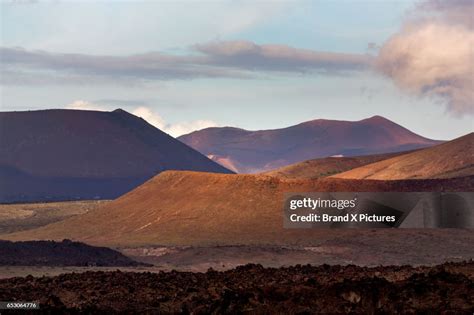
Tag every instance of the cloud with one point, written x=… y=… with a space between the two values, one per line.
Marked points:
x=152 y=117
x=454 y=12
x=218 y=59
x=186 y=127
x=133 y=68
x=433 y=54
x=176 y=129
x=122 y=102
x=84 y=105
x=250 y=56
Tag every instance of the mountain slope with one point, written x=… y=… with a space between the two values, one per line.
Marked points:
x=196 y=208
x=318 y=168
x=451 y=159
x=256 y=151
x=72 y=154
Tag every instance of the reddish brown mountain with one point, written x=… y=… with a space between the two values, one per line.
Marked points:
x=71 y=154
x=197 y=208
x=254 y=151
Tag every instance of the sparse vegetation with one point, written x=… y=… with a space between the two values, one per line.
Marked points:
x=26 y=216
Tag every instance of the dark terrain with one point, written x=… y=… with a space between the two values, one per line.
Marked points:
x=250 y=289
x=50 y=155
x=65 y=253
x=245 y=151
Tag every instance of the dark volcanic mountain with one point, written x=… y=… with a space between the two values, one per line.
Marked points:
x=72 y=154
x=254 y=151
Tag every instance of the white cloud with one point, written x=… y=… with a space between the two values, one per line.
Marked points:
x=186 y=127
x=433 y=55
x=84 y=105
x=174 y=130
x=150 y=116
x=153 y=118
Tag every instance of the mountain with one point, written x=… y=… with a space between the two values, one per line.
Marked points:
x=318 y=168
x=246 y=151
x=196 y=208
x=72 y=154
x=450 y=159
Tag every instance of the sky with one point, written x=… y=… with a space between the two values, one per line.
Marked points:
x=188 y=65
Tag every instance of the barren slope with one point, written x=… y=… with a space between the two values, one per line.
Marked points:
x=451 y=159
x=192 y=208
x=318 y=168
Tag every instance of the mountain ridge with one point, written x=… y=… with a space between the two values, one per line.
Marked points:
x=262 y=150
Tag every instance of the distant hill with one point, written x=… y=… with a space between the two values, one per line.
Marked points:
x=72 y=154
x=324 y=167
x=451 y=159
x=195 y=208
x=246 y=151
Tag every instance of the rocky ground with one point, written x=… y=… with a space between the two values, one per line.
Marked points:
x=65 y=253
x=369 y=248
x=447 y=289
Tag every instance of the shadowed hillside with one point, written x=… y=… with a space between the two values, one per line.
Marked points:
x=256 y=151
x=451 y=159
x=71 y=154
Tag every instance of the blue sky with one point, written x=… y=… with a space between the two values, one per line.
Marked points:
x=254 y=65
